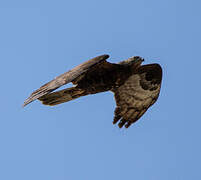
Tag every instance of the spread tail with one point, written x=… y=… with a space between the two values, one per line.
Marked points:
x=62 y=96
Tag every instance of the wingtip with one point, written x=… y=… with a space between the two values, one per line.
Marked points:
x=103 y=57
x=26 y=102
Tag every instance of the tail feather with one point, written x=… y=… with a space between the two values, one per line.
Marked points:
x=62 y=96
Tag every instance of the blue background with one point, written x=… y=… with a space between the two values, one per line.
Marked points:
x=77 y=140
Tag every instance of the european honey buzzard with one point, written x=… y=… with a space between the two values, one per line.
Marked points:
x=136 y=87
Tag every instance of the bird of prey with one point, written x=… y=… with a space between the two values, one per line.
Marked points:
x=136 y=87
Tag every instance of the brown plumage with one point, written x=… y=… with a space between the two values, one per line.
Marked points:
x=136 y=87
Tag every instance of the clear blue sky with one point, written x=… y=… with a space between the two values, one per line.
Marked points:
x=41 y=39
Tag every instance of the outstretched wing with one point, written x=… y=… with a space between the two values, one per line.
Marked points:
x=65 y=78
x=137 y=94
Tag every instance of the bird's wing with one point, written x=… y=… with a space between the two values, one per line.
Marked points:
x=137 y=94
x=65 y=78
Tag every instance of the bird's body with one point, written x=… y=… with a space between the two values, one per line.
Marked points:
x=135 y=87
x=106 y=78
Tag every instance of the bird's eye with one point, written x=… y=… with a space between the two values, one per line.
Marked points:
x=149 y=76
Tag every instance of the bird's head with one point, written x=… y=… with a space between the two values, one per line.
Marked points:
x=135 y=60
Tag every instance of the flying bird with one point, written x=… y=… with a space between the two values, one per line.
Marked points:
x=136 y=87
